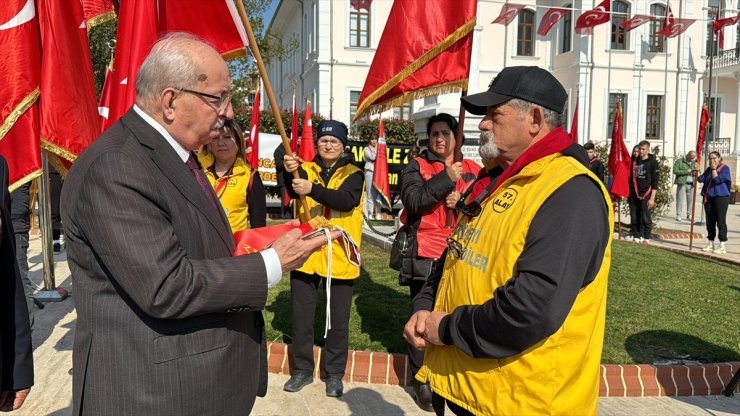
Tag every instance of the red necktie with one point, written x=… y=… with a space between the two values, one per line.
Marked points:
x=195 y=170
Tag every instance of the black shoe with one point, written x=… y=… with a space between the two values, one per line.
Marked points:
x=57 y=246
x=297 y=382
x=423 y=396
x=334 y=387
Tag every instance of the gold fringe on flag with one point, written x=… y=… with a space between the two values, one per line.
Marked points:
x=399 y=100
x=414 y=66
x=101 y=18
x=233 y=54
x=18 y=112
x=57 y=150
x=31 y=176
x=56 y=161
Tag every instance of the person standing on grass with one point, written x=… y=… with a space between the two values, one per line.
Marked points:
x=333 y=189
x=512 y=322
x=594 y=164
x=644 y=175
x=683 y=170
x=717 y=182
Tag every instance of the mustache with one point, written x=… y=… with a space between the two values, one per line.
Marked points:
x=486 y=136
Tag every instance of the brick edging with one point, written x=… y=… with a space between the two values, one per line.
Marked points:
x=632 y=380
x=710 y=256
x=677 y=236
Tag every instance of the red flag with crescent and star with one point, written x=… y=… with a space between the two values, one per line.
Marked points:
x=676 y=26
x=619 y=160
x=509 y=12
x=588 y=20
x=361 y=4
x=380 y=177
x=720 y=24
x=20 y=80
x=415 y=59
x=552 y=16
x=636 y=21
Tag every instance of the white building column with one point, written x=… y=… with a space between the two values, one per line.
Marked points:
x=736 y=140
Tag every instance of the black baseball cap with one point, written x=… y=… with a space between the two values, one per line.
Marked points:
x=528 y=83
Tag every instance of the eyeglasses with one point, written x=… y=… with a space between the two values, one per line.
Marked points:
x=471 y=209
x=455 y=247
x=332 y=143
x=214 y=101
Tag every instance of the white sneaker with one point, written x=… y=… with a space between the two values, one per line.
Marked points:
x=678 y=219
x=629 y=238
x=720 y=250
x=639 y=240
x=709 y=248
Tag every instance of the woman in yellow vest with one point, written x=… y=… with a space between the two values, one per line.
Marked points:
x=334 y=189
x=238 y=186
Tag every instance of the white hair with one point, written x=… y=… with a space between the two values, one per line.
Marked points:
x=552 y=118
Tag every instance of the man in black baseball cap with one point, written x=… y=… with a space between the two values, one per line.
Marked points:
x=524 y=290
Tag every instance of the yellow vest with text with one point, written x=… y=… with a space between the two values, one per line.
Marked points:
x=233 y=195
x=350 y=221
x=560 y=374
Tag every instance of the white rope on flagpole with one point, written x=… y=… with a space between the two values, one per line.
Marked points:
x=327 y=324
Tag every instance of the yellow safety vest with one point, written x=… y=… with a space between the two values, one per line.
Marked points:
x=232 y=194
x=560 y=374
x=350 y=221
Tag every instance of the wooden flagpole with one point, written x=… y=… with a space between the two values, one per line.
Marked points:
x=268 y=89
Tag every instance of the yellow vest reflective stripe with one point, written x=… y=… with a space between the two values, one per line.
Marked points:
x=350 y=221
x=560 y=374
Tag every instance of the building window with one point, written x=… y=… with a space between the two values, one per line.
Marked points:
x=614 y=99
x=354 y=99
x=656 y=25
x=566 y=31
x=359 y=28
x=653 y=117
x=620 y=14
x=525 y=35
x=404 y=111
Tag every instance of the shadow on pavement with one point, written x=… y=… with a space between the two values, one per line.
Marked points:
x=365 y=402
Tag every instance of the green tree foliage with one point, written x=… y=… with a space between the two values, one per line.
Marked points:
x=102 y=39
x=397 y=131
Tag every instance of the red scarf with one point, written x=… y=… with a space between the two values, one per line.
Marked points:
x=554 y=142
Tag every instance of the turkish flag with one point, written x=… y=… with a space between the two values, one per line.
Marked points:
x=308 y=149
x=619 y=160
x=294 y=128
x=551 y=17
x=105 y=93
x=509 y=11
x=20 y=79
x=361 y=4
x=380 y=177
x=676 y=26
x=702 y=131
x=254 y=132
x=636 y=21
x=588 y=20
x=416 y=59
x=574 y=124
x=68 y=109
x=719 y=24
x=98 y=11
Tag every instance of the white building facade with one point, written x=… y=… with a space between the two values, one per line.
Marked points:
x=660 y=83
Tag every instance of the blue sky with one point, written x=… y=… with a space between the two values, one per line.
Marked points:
x=269 y=12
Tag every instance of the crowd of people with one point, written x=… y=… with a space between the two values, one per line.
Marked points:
x=507 y=265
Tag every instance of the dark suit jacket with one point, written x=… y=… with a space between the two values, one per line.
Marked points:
x=168 y=322
x=16 y=354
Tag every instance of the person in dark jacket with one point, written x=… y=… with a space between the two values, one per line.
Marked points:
x=644 y=175
x=278 y=155
x=16 y=354
x=21 y=214
x=431 y=184
x=594 y=164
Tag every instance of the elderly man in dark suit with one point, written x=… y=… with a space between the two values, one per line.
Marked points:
x=16 y=354
x=169 y=323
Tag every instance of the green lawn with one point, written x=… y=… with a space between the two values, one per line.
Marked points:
x=660 y=304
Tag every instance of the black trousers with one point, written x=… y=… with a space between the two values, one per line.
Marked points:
x=716 y=209
x=640 y=217
x=303 y=288
x=21 y=256
x=416 y=357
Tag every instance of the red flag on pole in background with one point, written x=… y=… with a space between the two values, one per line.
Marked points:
x=308 y=149
x=294 y=128
x=668 y=23
x=68 y=114
x=97 y=12
x=361 y=4
x=141 y=22
x=552 y=16
x=20 y=79
x=636 y=21
x=104 y=104
x=588 y=20
x=509 y=11
x=574 y=125
x=719 y=24
x=254 y=132
x=677 y=27
x=702 y=131
x=619 y=160
x=380 y=177
x=419 y=60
